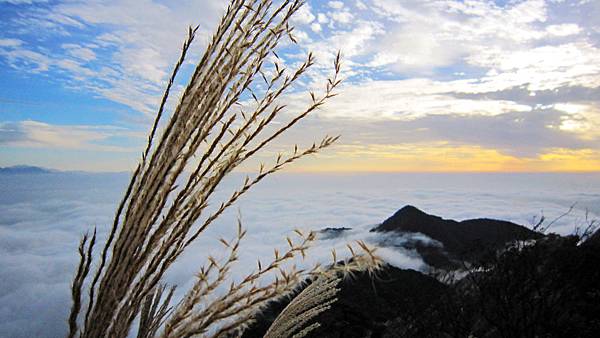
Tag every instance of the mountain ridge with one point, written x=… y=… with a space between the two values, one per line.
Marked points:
x=25 y=169
x=462 y=240
x=408 y=303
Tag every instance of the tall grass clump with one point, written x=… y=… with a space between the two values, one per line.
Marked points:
x=164 y=209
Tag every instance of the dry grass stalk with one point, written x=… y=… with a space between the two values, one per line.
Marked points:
x=154 y=311
x=314 y=299
x=157 y=220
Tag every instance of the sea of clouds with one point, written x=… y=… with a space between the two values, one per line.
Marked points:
x=42 y=217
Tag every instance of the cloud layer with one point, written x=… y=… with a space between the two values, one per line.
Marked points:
x=42 y=217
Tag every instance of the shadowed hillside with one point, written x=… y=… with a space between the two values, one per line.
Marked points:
x=458 y=238
x=466 y=240
x=365 y=304
x=548 y=286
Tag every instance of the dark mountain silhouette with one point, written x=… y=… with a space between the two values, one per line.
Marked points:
x=550 y=288
x=365 y=304
x=546 y=287
x=23 y=169
x=330 y=233
x=594 y=239
x=466 y=240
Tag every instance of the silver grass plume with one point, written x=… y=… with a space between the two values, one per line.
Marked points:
x=294 y=320
x=164 y=209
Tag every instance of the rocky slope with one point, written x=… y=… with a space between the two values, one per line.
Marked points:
x=365 y=304
x=408 y=303
x=465 y=240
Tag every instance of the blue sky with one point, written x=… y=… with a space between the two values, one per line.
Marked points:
x=440 y=85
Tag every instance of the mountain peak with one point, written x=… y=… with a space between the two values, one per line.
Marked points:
x=24 y=169
x=409 y=210
x=458 y=238
x=409 y=219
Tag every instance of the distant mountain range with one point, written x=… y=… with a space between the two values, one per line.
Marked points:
x=24 y=169
x=538 y=286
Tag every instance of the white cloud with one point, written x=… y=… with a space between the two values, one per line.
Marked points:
x=38 y=247
x=351 y=42
x=581 y=118
x=428 y=35
x=343 y=17
x=34 y=134
x=138 y=42
x=23 y=2
x=304 y=15
x=416 y=50
x=402 y=60
x=571 y=108
x=408 y=100
x=322 y=18
x=361 y=5
x=315 y=27
x=42 y=217
x=542 y=68
x=36 y=62
x=528 y=11
x=148 y=36
x=335 y=4
x=10 y=43
x=79 y=52
x=564 y=29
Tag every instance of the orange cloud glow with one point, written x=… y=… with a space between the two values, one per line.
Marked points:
x=443 y=157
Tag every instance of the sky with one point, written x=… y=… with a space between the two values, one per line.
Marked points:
x=429 y=86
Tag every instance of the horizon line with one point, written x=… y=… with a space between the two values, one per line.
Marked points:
x=336 y=172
